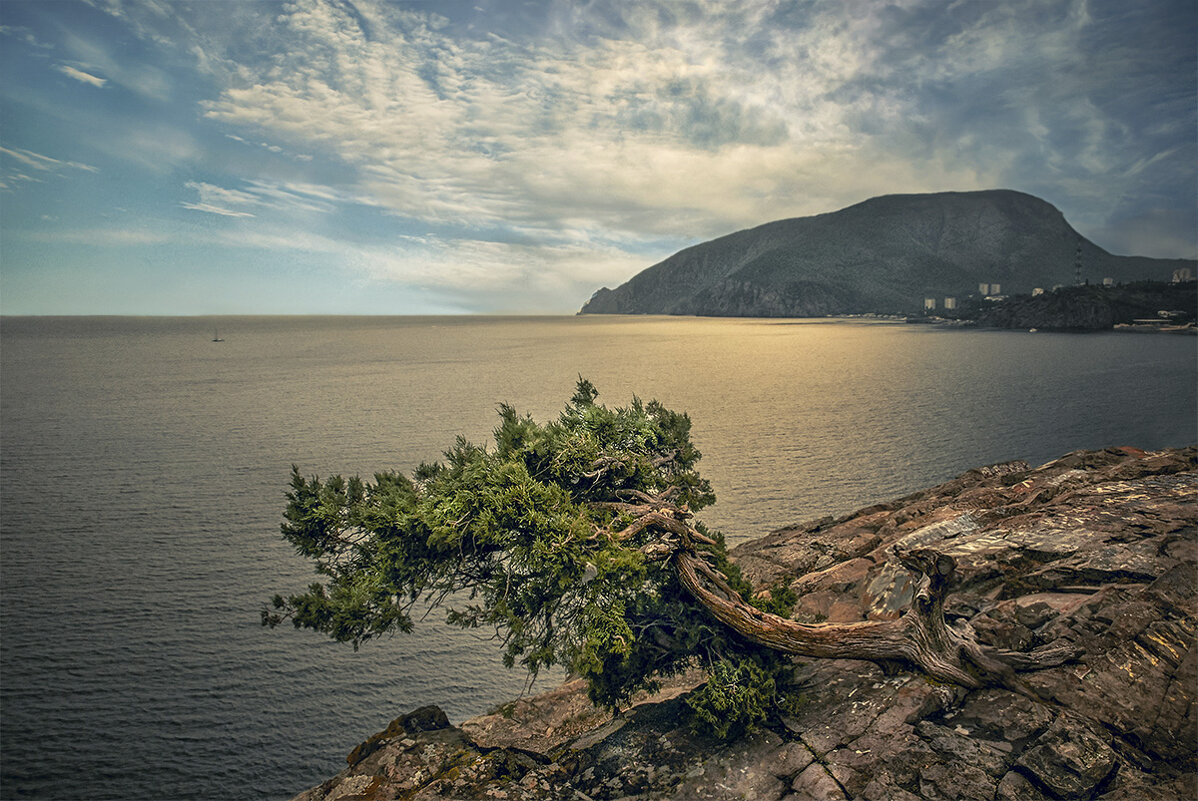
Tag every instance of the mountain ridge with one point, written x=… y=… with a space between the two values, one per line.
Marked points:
x=885 y=254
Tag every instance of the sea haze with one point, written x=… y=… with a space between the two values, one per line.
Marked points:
x=144 y=468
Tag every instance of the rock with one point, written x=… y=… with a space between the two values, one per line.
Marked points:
x=816 y=783
x=1034 y=614
x=759 y=767
x=1000 y=716
x=959 y=744
x=538 y=724
x=426 y=718
x=1132 y=785
x=791 y=759
x=823 y=592
x=1014 y=787
x=999 y=627
x=1070 y=760
x=1096 y=548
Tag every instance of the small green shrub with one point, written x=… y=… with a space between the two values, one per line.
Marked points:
x=781 y=600
x=735 y=700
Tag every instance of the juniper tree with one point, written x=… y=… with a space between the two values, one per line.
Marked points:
x=575 y=542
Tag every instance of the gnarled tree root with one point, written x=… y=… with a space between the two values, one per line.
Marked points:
x=920 y=637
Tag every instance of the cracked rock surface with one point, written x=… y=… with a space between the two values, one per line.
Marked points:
x=1099 y=548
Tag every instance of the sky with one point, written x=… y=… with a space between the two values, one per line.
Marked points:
x=501 y=156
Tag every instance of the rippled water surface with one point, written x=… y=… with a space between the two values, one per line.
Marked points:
x=142 y=472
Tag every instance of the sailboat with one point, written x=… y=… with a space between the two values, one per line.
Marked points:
x=216 y=336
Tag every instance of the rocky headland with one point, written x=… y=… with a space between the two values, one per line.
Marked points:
x=885 y=255
x=1099 y=548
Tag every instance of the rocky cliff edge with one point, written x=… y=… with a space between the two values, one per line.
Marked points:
x=1099 y=547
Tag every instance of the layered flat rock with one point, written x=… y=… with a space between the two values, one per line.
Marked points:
x=1097 y=548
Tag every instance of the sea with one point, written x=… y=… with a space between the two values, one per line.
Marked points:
x=143 y=468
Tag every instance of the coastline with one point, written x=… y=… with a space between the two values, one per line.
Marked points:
x=1097 y=547
x=1127 y=328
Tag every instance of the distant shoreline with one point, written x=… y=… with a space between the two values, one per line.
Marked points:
x=1123 y=328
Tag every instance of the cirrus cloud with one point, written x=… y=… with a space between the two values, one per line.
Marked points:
x=80 y=75
x=663 y=122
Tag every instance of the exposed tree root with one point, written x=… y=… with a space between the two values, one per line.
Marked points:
x=920 y=638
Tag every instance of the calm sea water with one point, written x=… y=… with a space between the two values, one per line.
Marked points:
x=143 y=470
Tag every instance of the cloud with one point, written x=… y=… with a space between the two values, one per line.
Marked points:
x=294 y=196
x=138 y=75
x=210 y=208
x=99 y=237
x=483 y=275
x=16 y=161
x=24 y=35
x=80 y=75
x=646 y=120
x=481 y=132
x=263 y=194
x=44 y=163
x=155 y=146
x=212 y=194
x=566 y=143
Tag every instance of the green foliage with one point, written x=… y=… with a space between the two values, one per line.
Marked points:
x=517 y=538
x=738 y=696
x=780 y=601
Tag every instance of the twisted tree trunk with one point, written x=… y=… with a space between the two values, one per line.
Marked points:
x=920 y=638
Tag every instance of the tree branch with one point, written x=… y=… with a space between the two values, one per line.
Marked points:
x=920 y=637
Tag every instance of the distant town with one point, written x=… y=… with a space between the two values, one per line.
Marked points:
x=1135 y=306
x=993 y=291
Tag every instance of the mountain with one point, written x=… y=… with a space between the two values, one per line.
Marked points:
x=884 y=255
